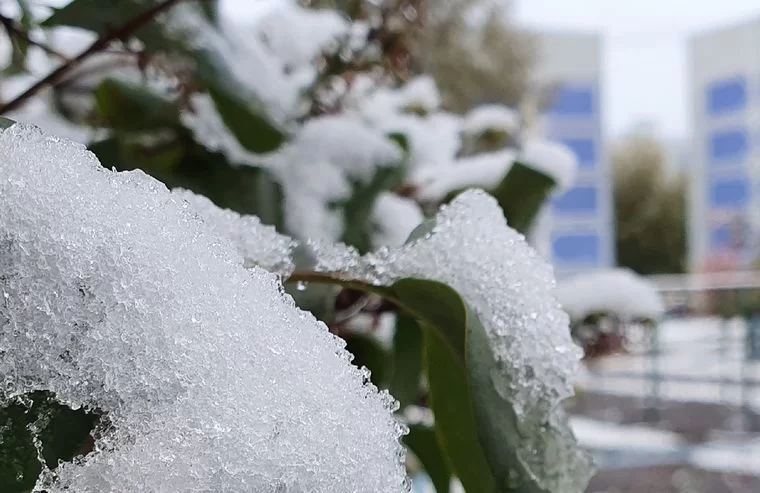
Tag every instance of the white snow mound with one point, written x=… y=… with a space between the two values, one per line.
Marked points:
x=115 y=295
x=615 y=291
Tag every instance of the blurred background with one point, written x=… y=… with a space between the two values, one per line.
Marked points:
x=660 y=103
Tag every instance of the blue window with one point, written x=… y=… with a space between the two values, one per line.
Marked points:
x=576 y=249
x=729 y=145
x=732 y=194
x=721 y=238
x=584 y=150
x=726 y=96
x=579 y=200
x=573 y=101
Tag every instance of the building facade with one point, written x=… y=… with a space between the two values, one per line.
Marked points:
x=725 y=101
x=576 y=230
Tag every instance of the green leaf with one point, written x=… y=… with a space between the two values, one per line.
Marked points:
x=521 y=194
x=407 y=361
x=401 y=140
x=476 y=422
x=422 y=441
x=455 y=423
x=64 y=434
x=125 y=106
x=241 y=109
x=358 y=208
x=210 y=9
x=105 y=16
x=436 y=305
x=368 y=352
x=443 y=316
x=249 y=125
x=532 y=455
x=6 y=123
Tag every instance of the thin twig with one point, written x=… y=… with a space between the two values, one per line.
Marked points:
x=100 y=44
x=15 y=30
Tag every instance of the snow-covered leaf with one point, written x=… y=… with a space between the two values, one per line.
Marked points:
x=509 y=290
x=521 y=194
x=116 y=296
x=247 y=123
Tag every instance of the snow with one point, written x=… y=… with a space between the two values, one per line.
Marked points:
x=297 y=35
x=116 y=296
x=434 y=140
x=485 y=170
x=433 y=136
x=259 y=71
x=739 y=458
x=552 y=159
x=604 y=435
x=257 y=243
x=510 y=288
x=420 y=93
x=319 y=168
x=615 y=291
x=394 y=218
x=493 y=117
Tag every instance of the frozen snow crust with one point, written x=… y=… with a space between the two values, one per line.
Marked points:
x=116 y=296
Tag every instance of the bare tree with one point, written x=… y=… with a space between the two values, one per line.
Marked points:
x=476 y=54
x=650 y=207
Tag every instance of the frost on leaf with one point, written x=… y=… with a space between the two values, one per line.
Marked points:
x=115 y=296
x=511 y=289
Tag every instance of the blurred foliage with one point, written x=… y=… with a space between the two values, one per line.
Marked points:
x=650 y=208
x=490 y=63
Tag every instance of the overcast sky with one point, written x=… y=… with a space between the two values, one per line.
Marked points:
x=645 y=61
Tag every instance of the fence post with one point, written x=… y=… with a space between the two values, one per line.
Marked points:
x=653 y=410
x=751 y=357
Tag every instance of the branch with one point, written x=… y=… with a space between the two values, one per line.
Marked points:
x=15 y=30
x=125 y=31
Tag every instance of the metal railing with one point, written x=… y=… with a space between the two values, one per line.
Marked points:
x=726 y=350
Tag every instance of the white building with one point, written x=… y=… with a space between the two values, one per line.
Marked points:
x=725 y=101
x=576 y=231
